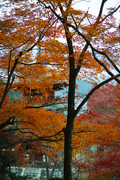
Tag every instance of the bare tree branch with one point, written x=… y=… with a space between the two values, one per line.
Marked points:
x=110 y=13
x=45 y=138
x=10 y=121
x=101 y=9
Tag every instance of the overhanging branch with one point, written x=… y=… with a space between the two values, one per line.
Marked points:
x=52 y=138
x=29 y=140
x=91 y=92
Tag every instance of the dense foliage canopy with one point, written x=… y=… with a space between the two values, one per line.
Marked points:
x=43 y=43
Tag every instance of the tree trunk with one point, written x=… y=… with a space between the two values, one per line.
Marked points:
x=71 y=101
x=68 y=154
x=69 y=128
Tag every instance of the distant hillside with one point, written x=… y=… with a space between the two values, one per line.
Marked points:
x=83 y=88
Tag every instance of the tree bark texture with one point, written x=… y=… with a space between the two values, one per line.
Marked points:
x=70 y=122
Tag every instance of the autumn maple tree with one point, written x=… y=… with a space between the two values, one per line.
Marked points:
x=107 y=113
x=15 y=93
x=46 y=42
x=103 y=134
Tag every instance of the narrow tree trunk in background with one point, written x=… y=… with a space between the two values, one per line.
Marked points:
x=47 y=168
